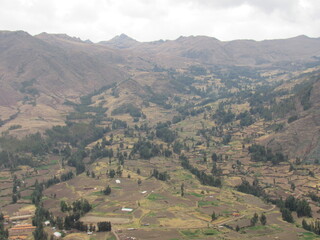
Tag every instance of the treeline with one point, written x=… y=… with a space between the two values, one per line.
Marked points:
x=77 y=134
x=204 y=178
x=261 y=154
x=54 y=180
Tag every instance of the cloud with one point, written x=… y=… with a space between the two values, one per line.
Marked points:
x=148 y=20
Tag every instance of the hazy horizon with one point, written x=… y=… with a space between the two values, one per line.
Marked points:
x=145 y=20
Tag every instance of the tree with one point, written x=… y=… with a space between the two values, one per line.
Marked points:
x=303 y=208
x=213 y=216
x=107 y=190
x=14 y=198
x=64 y=206
x=263 y=219
x=254 y=219
x=60 y=223
x=290 y=203
x=39 y=233
x=112 y=173
x=286 y=215
x=214 y=157
x=182 y=190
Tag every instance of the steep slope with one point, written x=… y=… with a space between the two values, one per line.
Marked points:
x=301 y=137
x=55 y=65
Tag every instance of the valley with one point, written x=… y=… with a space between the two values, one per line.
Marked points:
x=169 y=143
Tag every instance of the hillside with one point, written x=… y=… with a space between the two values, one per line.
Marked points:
x=187 y=139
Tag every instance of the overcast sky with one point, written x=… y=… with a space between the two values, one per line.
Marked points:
x=148 y=20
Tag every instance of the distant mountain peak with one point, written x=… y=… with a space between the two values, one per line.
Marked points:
x=121 y=41
x=63 y=36
x=123 y=37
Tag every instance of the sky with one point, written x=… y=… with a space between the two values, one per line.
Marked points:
x=150 y=20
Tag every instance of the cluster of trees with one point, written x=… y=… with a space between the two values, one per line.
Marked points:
x=177 y=147
x=77 y=134
x=223 y=117
x=305 y=97
x=263 y=104
x=204 y=178
x=189 y=110
x=182 y=82
x=159 y=99
x=104 y=226
x=99 y=150
x=41 y=215
x=76 y=210
x=261 y=154
x=163 y=176
x=146 y=149
x=255 y=218
x=76 y=160
x=165 y=133
x=54 y=180
x=255 y=189
x=301 y=206
x=81 y=206
x=37 y=193
x=118 y=124
x=127 y=108
x=16 y=151
x=245 y=118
